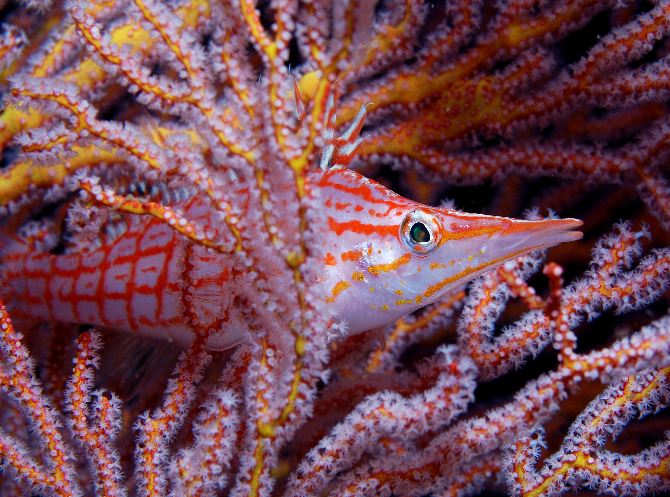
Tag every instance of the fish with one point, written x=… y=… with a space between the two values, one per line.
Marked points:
x=384 y=256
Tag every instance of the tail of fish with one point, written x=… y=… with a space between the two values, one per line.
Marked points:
x=13 y=252
x=25 y=273
x=135 y=283
x=114 y=285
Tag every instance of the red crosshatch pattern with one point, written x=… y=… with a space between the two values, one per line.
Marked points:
x=139 y=283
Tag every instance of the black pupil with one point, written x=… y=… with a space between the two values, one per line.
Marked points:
x=419 y=233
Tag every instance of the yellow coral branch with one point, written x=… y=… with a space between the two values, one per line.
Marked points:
x=156 y=210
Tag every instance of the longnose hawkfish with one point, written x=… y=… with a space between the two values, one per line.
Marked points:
x=385 y=257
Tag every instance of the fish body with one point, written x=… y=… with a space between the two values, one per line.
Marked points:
x=384 y=257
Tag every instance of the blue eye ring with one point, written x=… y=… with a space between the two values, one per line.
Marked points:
x=420 y=231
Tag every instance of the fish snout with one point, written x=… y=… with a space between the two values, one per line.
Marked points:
x=525 y=236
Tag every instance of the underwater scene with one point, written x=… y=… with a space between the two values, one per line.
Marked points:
x=345 y=248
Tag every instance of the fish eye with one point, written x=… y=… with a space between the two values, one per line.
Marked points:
x=420 y=231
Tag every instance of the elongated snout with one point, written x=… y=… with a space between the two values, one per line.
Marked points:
x=525 y=236
x=473 y=244
x=509 y=237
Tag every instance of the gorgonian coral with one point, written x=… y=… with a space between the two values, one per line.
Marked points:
x=199 y=127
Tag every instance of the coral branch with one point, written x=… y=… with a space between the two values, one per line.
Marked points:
x=581 y=459
x=17 y=378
